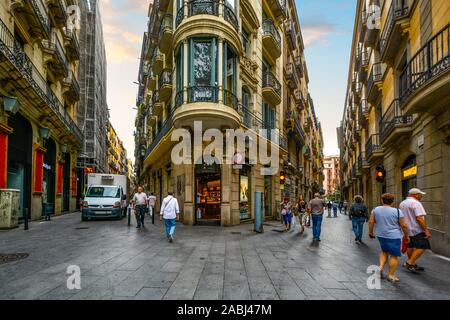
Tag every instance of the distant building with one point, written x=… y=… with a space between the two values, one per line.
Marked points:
x=117 y=155
x=331 y=174
x=92 y=115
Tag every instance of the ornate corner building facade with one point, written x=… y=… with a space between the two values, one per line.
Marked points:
x=232 y=65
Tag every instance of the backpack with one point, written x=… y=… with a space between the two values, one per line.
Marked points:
x=359 y=211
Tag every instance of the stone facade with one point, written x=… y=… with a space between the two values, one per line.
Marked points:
x=40 y=139
x=240 y=81
x=397 y=111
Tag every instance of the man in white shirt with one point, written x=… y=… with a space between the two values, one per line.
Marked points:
x=139 y=205
x=419 y=234
x=152 y=203
x=170 y=212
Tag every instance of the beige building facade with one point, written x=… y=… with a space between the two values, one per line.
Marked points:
x=331 y=172
x=222 y=63
x=39 y=91
x=397 y=112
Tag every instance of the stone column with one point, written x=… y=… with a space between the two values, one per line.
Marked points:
x=220 y=69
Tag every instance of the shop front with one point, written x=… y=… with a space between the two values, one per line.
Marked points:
x=409 y=175
x=49 y=176
x=208 y=196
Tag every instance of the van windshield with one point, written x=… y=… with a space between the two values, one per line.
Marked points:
x=103 y=192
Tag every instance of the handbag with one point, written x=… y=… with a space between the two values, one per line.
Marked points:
x=404 y=243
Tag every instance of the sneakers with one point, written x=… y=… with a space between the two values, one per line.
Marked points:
x=170 y=239
x=410 y=268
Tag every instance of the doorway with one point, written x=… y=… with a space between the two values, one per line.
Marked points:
x=268 y=196
x=208 y=194
x=19 y=161
x=66 y=184
x=48 y=183
x=409 y=175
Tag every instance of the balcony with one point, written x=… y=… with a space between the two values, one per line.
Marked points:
x=55 y=57
x=374 y=148
x=396 y=22
x=72 y=45
x=271 y=88
x=299 y=100
x=32 y=87
x=71 y=88
x=291 y=76
x=373 y=28
x=157 y=104
x=215 y=108
x=271 y=39
x=151 y=82
x=165 y=85
x=363 y=165
x=278 y=8
x=291 y=36
x=293 y=127
x=365 y=60
x=157 y=62
x=36 y=16
x=166 y=33
x=374 y=82
x=394 y=124
x=428 y=68
x=230 y=16
x=363 y=25
x=299 y=66
x=58 y=10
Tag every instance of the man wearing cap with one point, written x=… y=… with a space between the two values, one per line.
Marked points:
x=419 y=234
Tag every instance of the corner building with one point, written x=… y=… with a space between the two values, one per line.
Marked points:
x=397 y=112
x=221 y=63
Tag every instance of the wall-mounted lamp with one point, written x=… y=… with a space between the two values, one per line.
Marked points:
x=44 y=132
x=11 y=105
x=64 y=148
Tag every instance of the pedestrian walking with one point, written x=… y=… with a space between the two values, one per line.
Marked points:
x=389 y=223
x=419 y=234
x=345 y=207
x=300 y=208
x=329 y=206
x=335 y=209
x=359 y=214
x=139 y=206
x=151 y=204
x=340 y=206
x=286 y=214
x=316 y=209
x=170 y=212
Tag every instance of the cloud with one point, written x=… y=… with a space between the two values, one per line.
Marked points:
x=318 y=33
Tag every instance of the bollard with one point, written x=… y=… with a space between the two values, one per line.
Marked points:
x=153 y=214
x=129 y=216
x=25 y=219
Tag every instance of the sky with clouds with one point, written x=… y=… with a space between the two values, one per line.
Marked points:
x=327 y=27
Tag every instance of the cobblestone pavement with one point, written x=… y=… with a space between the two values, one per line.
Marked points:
x=120 y=262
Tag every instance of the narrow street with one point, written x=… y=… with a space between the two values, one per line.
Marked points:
x=120 y=262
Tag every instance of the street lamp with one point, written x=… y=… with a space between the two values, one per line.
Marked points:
x=64 y=148
x=11 y=105
x=44 y=132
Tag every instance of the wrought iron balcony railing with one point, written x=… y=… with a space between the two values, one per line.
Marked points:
x=270 y=80
x=399 y=9
x=12 y=50
x=373 y=145
x=230 y=100
x=393 y=117
x=269 y=28
x=230 y=16
x=55 y=46
x=432 y=60
x=42 y=14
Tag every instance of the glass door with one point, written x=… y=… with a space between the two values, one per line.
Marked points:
x=16 y=180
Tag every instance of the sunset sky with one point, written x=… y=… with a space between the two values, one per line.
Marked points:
x=327 y=27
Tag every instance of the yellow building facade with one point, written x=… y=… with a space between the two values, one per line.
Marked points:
x=39 y=91
x=226 y=64
x=397 y=112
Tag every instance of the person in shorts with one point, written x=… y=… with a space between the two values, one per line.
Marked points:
x=419 y=234
x=286 y=214
x=389 y=223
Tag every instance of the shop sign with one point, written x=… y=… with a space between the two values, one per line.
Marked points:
x=409 y=172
